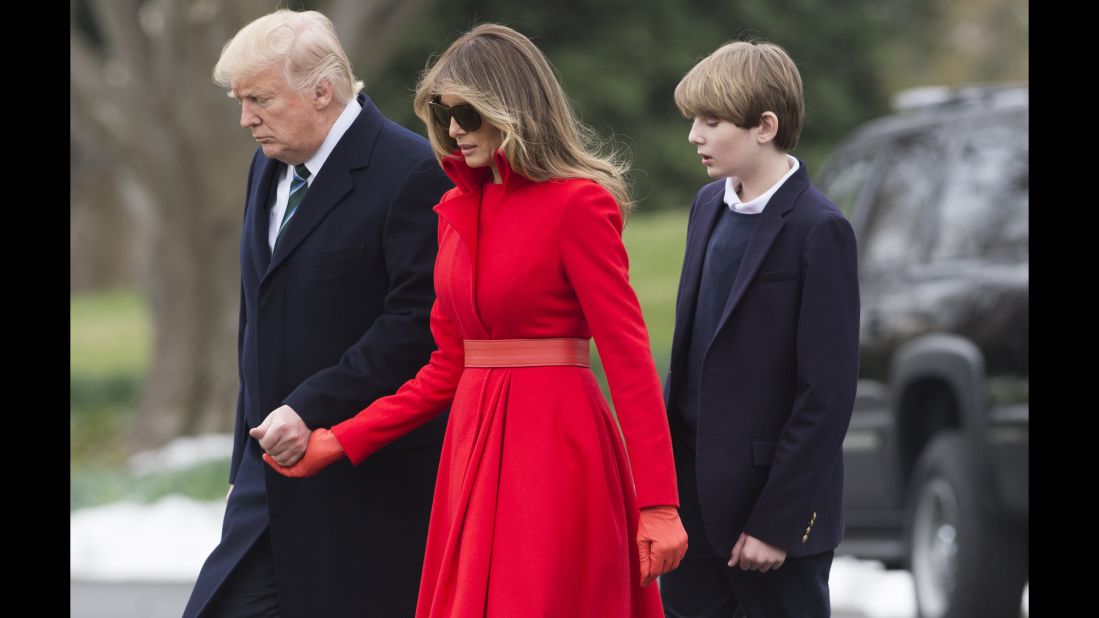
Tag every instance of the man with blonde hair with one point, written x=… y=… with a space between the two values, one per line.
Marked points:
x=337 y=252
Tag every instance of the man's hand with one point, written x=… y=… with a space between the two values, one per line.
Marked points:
x=283 y=435
x=324 y=450
x=754 y=555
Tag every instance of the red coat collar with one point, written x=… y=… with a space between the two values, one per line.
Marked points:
x=470 y=180
x=460 y=206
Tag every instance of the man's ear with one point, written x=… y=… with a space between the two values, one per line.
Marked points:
x=322 y=95
x=768 y=127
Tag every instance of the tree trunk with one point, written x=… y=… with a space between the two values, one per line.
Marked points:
x=100 y=250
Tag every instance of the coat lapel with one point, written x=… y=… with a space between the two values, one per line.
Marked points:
x=331 y=185
x=461 y=211
x=262 y=198
x=333 y=182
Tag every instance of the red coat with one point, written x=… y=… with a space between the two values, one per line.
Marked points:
x=535 y=511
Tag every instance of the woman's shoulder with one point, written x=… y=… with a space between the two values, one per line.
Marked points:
x=581 y=186
x=576 y=193
x=582 y=202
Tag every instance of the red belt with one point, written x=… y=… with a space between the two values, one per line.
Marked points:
x=527 y=352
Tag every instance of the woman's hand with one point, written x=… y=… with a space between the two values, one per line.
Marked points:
x=322 y=450
x=661 y=541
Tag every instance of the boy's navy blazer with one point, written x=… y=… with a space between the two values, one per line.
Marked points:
x=777 y=381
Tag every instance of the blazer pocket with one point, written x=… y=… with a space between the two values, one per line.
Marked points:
x=763 y=451
x=335 y=256
x=777 y=275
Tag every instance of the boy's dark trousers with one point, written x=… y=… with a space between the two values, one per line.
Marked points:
x=705 y=587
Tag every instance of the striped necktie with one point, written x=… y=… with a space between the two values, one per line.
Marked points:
x=298 y=187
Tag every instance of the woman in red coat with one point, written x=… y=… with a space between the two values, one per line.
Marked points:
x=538 y=510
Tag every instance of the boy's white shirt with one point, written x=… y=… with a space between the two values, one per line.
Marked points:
x=756 y=206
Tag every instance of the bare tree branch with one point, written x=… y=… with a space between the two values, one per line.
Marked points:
x=86 y=69
x=241 y=12
x=351 y=20
x=93 y=104
x=376 y=26
x=398 y=17
x=166 y=43
x=128 y=45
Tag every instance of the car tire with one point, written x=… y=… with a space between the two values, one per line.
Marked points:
x=967 y=557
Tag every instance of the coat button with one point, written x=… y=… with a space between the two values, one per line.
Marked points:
x=807 y=531
x=805 y=538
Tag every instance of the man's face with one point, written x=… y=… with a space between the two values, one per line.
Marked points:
x=290 y=126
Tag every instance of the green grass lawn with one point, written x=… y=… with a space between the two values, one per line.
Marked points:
x=655 y=244
x=109 y=339
x=111 y=336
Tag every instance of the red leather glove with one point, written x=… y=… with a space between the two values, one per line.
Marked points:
x=322 y=451
x=661 y=541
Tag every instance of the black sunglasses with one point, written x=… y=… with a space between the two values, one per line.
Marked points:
x=467 y=117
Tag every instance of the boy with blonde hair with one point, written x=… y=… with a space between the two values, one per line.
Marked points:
x=765 y=351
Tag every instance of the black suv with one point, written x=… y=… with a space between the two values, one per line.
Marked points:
x=937 y=456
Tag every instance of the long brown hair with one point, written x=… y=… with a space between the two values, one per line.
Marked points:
x=511 y=83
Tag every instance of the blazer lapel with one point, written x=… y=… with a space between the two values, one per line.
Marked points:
x=767 y=229
x=698 y=237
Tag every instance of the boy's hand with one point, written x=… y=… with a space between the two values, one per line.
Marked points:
x=753 y=554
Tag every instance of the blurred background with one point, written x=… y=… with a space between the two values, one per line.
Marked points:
x=157 y=171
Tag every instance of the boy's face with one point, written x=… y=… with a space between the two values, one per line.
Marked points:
x=726 y=149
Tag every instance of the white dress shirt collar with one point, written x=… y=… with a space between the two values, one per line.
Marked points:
x=756 y=206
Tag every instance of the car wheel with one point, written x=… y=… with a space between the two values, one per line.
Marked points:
x=967 y=557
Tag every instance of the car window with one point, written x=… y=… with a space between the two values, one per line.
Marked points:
x=846 y=178
x=895 y=232
x=984 y=210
